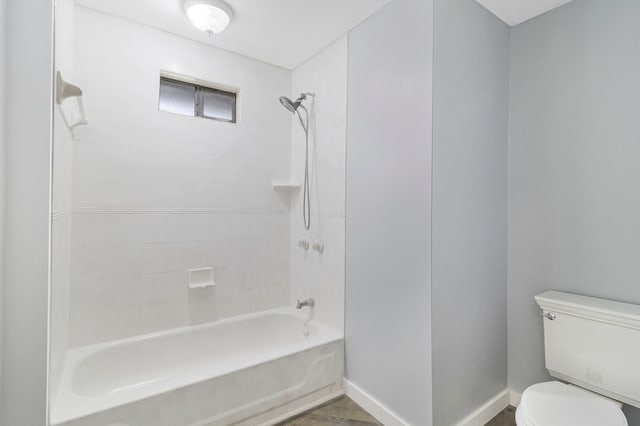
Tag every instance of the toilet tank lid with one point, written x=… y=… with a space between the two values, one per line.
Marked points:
x=627 y=314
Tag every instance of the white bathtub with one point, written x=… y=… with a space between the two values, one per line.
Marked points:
x=247 y=371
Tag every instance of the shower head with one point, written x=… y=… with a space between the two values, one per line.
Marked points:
x=294 y=106
x=289 y=104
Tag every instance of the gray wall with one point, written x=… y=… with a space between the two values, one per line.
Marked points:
x=574 y=164
x=25 y=273
x=3 y=104
x=469 y=284
x=388 y=209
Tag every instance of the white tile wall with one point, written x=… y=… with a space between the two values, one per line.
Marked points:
x=155 y=194
x=321 y=276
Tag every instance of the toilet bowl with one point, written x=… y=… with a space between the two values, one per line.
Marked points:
x=558 y=404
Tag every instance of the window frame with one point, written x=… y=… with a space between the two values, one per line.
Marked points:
x=198 y=101
x=200 y=92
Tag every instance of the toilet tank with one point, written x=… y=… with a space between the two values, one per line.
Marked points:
x=593 y=343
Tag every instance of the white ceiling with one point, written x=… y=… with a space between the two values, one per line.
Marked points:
x=279 y=32
x=514 y=12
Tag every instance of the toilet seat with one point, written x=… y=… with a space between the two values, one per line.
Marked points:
x=558 y=404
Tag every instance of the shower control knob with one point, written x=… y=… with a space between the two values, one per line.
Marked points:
x=319 y=247
x=304 y=244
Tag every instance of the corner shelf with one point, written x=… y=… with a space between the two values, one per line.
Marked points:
x=285 y=186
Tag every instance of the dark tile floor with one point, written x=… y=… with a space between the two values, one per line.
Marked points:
x=344 y=412
x=506 y=418
x=339 y=412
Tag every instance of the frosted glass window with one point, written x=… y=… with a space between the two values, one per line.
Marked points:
x=219 y=105
x=196 y=101
x=177 y=97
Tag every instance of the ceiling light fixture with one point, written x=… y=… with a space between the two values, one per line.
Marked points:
x=209 y=16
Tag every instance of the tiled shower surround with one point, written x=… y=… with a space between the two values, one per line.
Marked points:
x=155 y=194
x=147 y=195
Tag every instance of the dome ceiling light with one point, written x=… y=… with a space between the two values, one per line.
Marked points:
x=209 y=16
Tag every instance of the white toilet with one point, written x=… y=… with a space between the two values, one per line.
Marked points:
x=593 y=344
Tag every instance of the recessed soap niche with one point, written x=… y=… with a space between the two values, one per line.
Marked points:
x=201 y=278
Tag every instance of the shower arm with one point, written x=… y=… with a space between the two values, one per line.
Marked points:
x=304 y=95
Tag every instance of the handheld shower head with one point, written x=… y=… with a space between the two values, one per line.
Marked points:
x=294 y=106
x=289 y=104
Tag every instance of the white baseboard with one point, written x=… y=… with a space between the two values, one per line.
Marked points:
x=488 y=411
x=479 y=417
x=374 y=407
x=514 y=398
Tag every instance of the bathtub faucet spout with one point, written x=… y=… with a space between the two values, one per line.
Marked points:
x=308 y=302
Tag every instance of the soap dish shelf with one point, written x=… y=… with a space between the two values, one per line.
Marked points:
x=280 y=185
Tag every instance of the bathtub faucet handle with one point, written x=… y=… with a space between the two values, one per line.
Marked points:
x=303 y=243
x=308 y=302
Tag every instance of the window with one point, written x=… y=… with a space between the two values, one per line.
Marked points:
x=195 y=100
x=177 y=97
